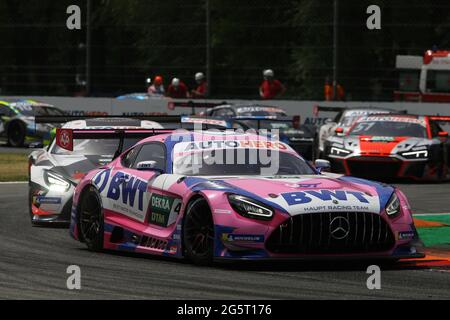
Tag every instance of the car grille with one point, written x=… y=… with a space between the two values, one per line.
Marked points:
x=379 y=169
x=316 y=234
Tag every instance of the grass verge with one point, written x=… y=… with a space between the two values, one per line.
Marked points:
x=13 y=167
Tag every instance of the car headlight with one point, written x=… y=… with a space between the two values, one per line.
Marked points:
x=56 y=182
x=250 y=208
x=393 y=207
x=418 y=154
x=339 y=151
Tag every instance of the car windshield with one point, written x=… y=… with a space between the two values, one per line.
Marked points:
x=100 y=147
x=262 y=113
x=348 y=121
x=389 y=129
x=240 y=162
x=31 y=111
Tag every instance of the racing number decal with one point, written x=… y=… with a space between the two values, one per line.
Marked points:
x=164 y=210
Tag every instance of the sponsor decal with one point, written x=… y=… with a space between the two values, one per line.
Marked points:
x=173 y=249
x=124 y=192
x=228 y=237
x=164 y=210
x=324 y=200
x=222 y=211
x=317 y=121
x=221 y=123
x=303 y=185
x=379 y=139
x=259 y=109
x=392 y=119
x=64 y=139
x=294 y=198
x=231 y=144
x=405 y=235
x=46 y=200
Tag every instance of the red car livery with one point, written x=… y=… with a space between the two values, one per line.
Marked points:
x=392 y=146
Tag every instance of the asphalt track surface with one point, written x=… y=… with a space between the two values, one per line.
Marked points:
x=33 y=263
x=8 y=150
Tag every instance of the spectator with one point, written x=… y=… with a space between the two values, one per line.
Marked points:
x=202 y=86
x=329 y=91
x=271 y=88
x=157 y=88
x=177 y=89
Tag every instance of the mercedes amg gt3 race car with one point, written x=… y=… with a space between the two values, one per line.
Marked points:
x=17 y=122
x=392 y=146
x=178 y=195
x=344 y=120
x=54 y=172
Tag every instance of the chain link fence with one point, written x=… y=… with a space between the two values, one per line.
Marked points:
x=136 y=39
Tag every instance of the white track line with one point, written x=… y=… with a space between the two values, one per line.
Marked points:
x=430 y=214
x=14 y=182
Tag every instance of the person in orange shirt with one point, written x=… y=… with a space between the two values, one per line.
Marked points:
x=157 y=88
x=329 y=91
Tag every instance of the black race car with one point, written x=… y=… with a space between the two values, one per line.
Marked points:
x=260 y=117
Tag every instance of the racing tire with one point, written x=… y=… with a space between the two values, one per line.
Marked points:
x=198 y=233
x=91 y=221
x=30 y=199
x=16 y=134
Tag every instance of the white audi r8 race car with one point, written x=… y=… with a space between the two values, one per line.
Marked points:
x=344 y=120
x=54 y=172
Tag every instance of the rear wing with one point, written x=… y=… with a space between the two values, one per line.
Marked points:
x=193 y=105
x=65 y=137
x=317 y=109
x=68 y=118
x=295 y=120
x=168 y=122
x=439 y=118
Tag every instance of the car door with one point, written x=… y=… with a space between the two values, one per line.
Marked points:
x=123 y=188
x=161 y=207
x=5 y=114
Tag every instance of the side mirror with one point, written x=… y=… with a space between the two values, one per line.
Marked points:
x=148 y=166
x=443 y=134
x=339 y=131
x=322 y=165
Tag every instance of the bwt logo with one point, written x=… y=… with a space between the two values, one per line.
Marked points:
x=294 y=198
x=122 y=186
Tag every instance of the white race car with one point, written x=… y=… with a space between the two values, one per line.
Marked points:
x=54 y=172
x=344 y=119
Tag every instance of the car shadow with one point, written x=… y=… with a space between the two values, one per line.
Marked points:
x=277 y=266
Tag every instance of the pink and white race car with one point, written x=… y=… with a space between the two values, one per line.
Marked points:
x=210 y=196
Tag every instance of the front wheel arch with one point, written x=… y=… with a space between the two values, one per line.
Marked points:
x=80 y=198
x=199 y=258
